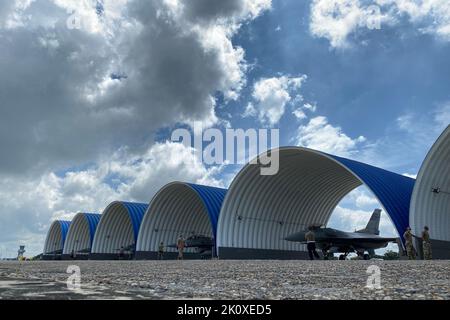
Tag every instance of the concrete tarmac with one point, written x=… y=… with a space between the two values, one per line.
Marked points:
x=233 y=280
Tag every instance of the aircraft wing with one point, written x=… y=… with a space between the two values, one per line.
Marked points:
x=189 y=246
x=356 y=239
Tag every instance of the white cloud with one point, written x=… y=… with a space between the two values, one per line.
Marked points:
x=352 y=219
x=310 y=107
x=133 y=67
x=406 y=122
x=271 y=95
x=411 y=175
x=159 y=165
x=415 y=133
x=421 y=123
x=299 y=114
x=11 y=13
x=318 y=134
x=432 y=16
x=442 y=115
x=363 y=199
x=336 y=20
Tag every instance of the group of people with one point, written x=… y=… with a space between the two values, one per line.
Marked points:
x=311 y=245
x=426 y=244
x=181 y=245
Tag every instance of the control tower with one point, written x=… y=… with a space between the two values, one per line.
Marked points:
x=20 y=253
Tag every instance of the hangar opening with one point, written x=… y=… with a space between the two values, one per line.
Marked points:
x=55 y=240
x=260 y=211
x=80 y=236
x=118 y=230
x=181 y=209
x=430 y=203
x=355 y=212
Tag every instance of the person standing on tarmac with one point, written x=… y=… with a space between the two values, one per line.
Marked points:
x=426 y=244
x=161 y=251
x=180 y=246
x=408 y=236
x=310 y=238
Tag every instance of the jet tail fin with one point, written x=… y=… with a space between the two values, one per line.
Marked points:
x=373 y=227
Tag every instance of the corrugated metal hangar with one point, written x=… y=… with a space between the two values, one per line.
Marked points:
x=252 y=218
x=118 y=229
x=179 y=209
x=56 y=237
x=430 y=204
x=81 y=235
x=260 y=211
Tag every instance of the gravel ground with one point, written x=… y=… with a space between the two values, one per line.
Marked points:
x=226 y=280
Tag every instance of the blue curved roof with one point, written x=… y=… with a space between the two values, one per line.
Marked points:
x=92 y=219
x=212 y=199
x=393 y=190
x=136 y=211
x=64 y=229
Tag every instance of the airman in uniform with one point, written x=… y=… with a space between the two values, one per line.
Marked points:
x=121 y=252
x=408 y=236
x=161 y=251
x=426 y=244
x=180 y=246
x=310 y=238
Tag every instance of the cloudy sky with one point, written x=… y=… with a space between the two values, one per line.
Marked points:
x=91 y=90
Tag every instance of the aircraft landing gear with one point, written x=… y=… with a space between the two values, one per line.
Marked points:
x=363 y=256
x=327 y=255
x=343 y=257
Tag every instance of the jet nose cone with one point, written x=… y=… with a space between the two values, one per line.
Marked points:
x=296 y=237
x=289 y=238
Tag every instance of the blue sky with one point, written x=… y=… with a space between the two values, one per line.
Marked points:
x=79 y=138
x=364 y=89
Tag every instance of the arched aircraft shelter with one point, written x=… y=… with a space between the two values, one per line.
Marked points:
x=260 y=211
x=81 y=235
x=118 y=227
x=56 y=238
x=179 y=209
x=430 y=203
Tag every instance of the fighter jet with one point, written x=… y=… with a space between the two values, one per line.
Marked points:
x=203 y=245
x=335 y=241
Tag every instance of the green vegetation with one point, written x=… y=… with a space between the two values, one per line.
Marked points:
x=391 y=255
